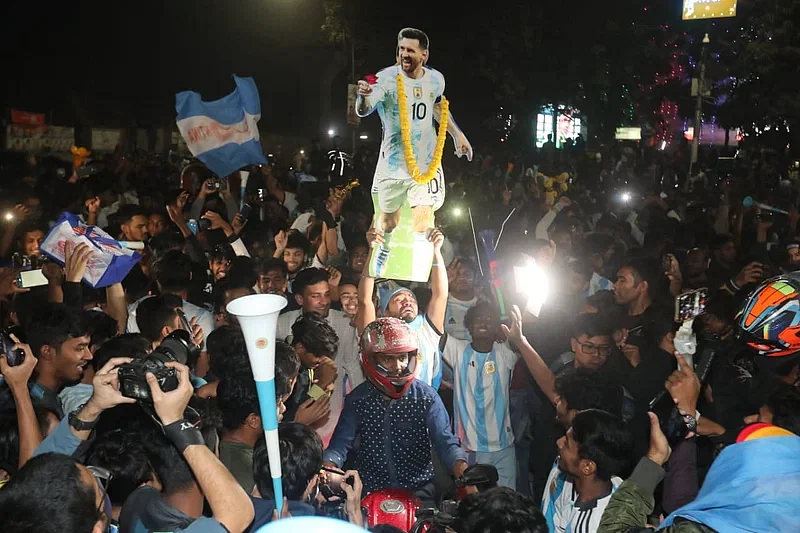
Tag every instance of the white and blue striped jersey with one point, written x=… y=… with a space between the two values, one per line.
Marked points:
x=482 y=384
x=428 y=355
x=421 y=95
x=562 y=510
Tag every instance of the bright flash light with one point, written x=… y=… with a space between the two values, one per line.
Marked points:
x=663 y=145
x=331 y=132
x=626 y=197
x=302 y=152
x=363 y=136
x=457 y=211
x=9 y=216
x=532 y=282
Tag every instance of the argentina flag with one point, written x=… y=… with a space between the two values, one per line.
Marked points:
x=223 y=134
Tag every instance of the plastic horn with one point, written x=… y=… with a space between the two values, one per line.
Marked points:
x=258 y=317
x=749 y=202
x=245 y=174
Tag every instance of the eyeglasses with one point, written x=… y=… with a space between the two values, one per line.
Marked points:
x=591 y=349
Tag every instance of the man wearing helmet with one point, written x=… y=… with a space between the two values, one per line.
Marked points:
x=399 y=302
x=395 y=417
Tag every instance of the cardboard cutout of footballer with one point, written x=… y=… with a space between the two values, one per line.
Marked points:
x=409 y=182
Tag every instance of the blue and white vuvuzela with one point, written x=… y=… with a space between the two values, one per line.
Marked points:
x=258 y=317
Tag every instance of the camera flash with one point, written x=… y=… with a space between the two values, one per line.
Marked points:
x=9 y=216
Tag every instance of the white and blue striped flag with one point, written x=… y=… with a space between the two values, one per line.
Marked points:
x=223 y=134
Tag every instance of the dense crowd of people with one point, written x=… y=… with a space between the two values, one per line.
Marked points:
x=404 y=394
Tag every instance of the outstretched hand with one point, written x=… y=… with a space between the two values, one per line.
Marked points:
x=463 y=147
x=514 y=333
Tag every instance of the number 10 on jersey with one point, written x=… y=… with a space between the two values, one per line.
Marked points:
x=419 y=110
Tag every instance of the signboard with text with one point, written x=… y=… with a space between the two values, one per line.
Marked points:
x=629 y=134
x=708 y=9
x=353 y=120
x=34 y=139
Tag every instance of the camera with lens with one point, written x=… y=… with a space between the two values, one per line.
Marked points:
x=177 y=346
x=13 y=357
x=330 y=483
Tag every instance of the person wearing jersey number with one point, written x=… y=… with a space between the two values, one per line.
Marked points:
x=424 y=89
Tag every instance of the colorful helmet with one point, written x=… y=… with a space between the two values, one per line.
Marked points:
x=769 y=319
x=395 y=507
x=390 y=336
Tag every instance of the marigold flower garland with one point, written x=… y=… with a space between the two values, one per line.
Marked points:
x=405 y=134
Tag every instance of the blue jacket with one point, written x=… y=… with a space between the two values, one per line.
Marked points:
x=395 y=436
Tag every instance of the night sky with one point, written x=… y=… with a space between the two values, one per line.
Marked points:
x=121 y=63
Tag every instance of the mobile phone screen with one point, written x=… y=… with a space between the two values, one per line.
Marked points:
x=690 y=305
x=31 y=278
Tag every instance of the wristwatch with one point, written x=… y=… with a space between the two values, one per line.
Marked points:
x=79 y=424
x=691 y=422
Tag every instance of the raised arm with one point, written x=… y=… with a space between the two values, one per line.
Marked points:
x=366 y=307
x=369 y=96
x=116 y=306
x=439 y=286
x=229 y=503
x=17 y=379
x=541 y=372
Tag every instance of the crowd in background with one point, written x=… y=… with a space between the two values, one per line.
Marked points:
x=551 y=406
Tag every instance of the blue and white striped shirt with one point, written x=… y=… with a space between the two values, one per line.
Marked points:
x=429 y=355
x=562 y=510
x=482 y=395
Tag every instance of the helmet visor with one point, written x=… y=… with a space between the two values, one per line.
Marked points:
x=395 y=366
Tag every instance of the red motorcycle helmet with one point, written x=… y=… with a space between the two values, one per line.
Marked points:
x=389 y=336
x=394 y=507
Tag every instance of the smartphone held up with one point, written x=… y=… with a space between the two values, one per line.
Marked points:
x=690 y=305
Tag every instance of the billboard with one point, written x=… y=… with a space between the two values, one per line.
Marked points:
x=708 y=9
x=628 y=134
